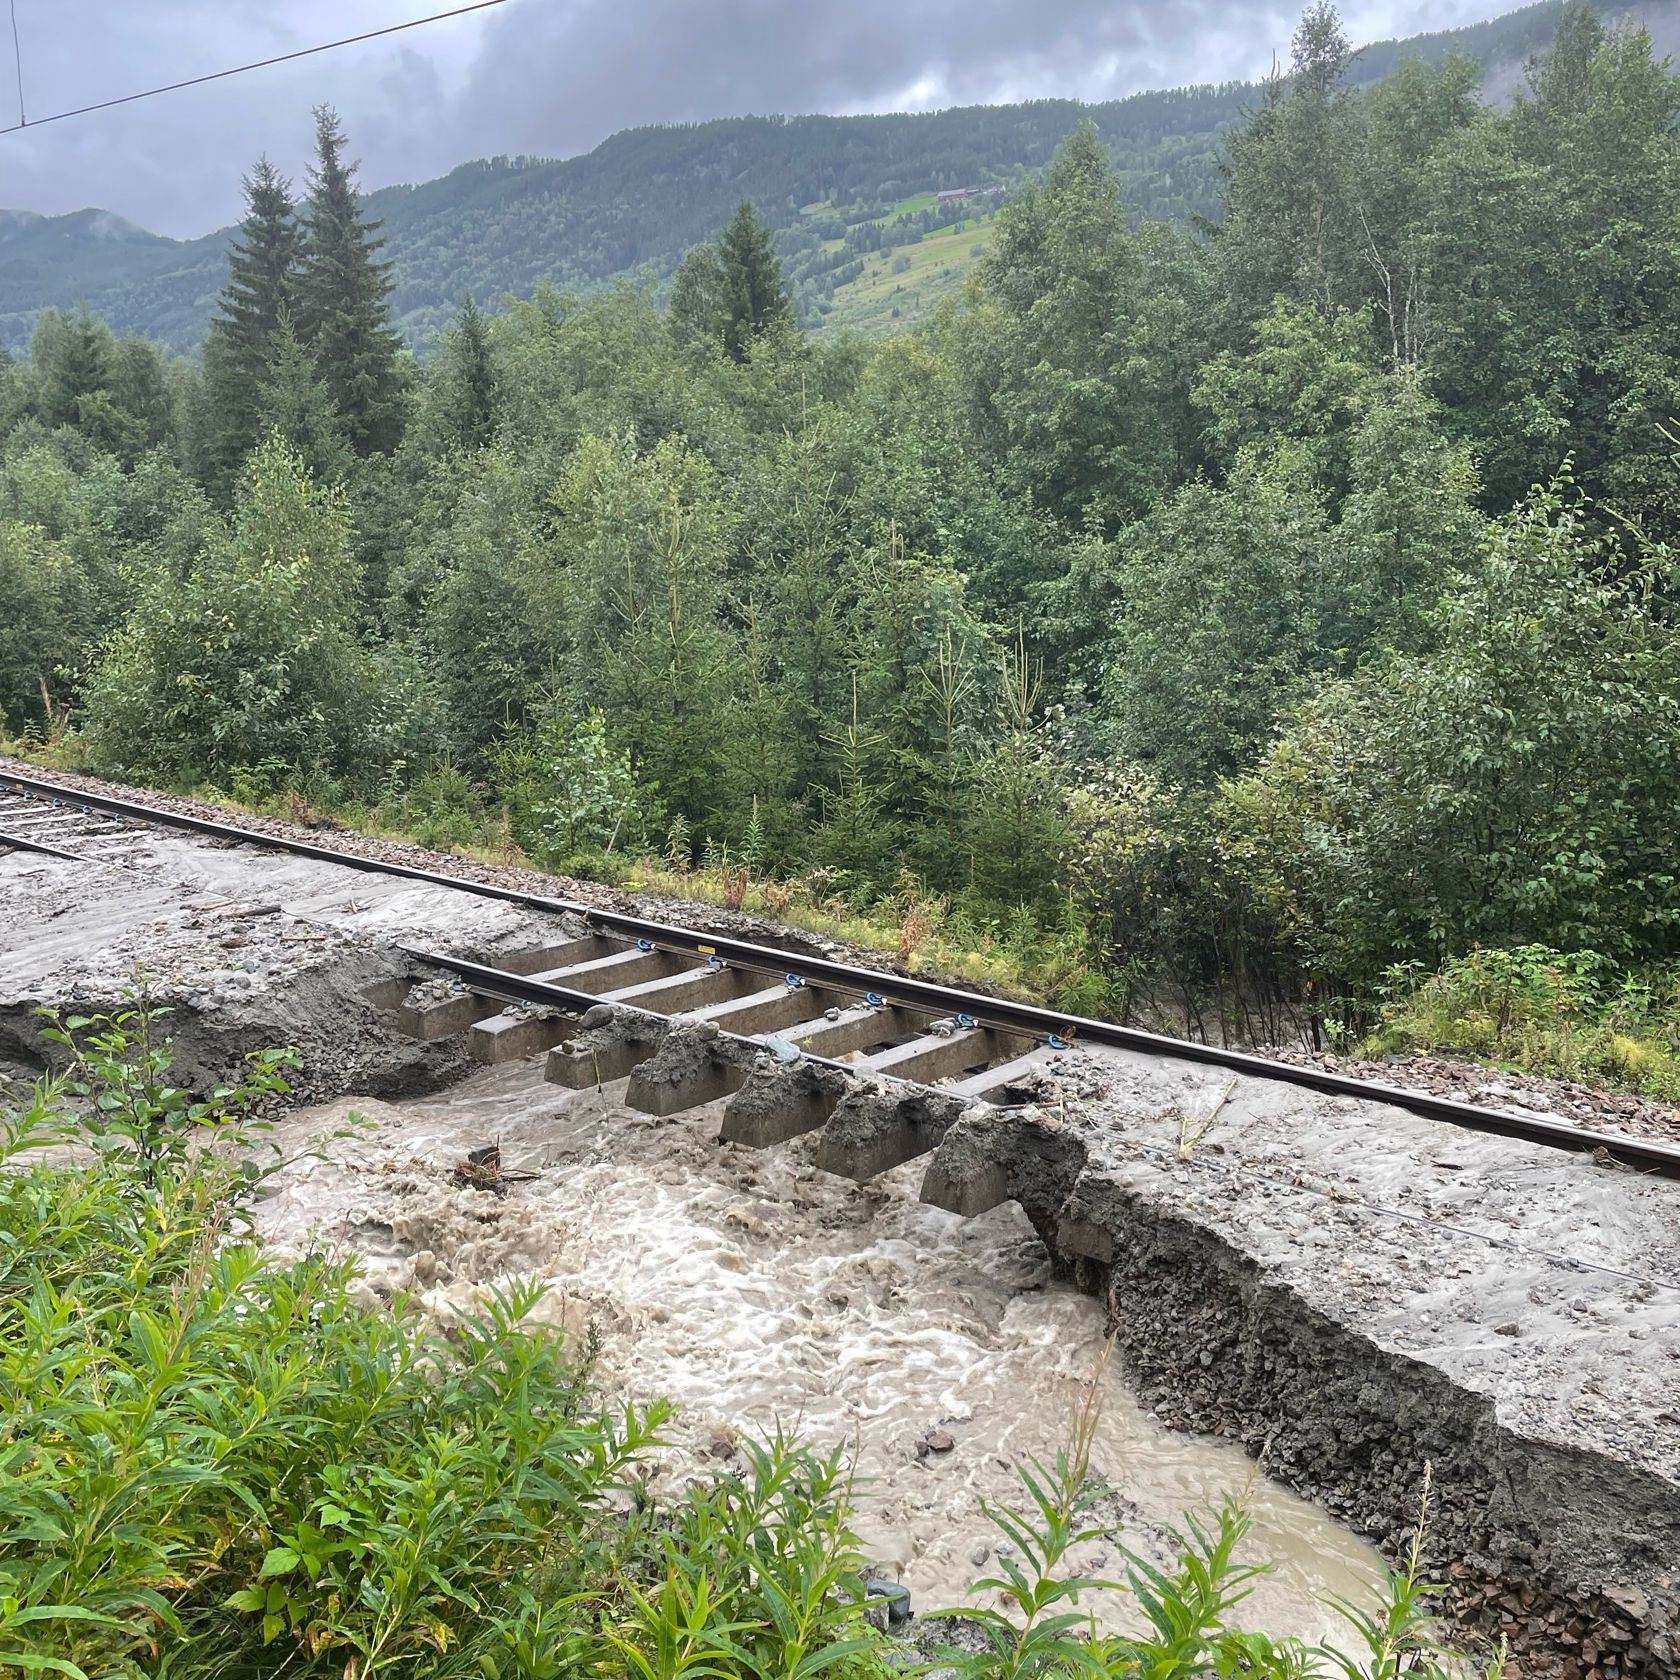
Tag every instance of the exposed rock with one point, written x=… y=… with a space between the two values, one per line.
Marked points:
x=895 y=1597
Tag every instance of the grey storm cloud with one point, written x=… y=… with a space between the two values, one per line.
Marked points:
x=555 y=77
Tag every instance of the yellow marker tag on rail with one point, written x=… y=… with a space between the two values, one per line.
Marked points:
x=706 y=950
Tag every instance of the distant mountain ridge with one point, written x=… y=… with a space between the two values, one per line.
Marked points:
x=643 y=196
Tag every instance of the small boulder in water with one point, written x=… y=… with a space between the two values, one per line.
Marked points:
x=895 y=1596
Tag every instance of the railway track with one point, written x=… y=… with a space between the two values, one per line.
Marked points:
x=63 y=824
x=751 y=998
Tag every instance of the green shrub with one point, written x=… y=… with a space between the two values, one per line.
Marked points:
x=1569 y=1015
x=570 y=793
x=252 y=655
x=443 y=809
x=758 y=1575
x=212 y=1450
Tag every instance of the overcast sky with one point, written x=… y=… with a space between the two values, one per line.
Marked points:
x=554 y=77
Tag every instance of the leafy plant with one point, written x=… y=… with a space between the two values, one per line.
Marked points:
x=757 y=1575
x=211 y=1451
x=1186 y=1607
x=120 y=1064
x=569 y=790
x=1566 y=1014
x=1040 y=1640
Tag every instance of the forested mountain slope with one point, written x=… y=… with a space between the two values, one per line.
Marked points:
x=644 y=196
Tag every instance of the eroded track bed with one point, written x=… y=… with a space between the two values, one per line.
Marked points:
x=751 y=1288
x=1342 y=1285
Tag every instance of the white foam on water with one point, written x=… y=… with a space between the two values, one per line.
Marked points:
x=754 y=1292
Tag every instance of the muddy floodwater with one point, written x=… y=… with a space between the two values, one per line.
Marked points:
x=752 y=1290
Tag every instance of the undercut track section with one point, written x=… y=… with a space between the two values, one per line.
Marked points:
x=639 y=952
x=786 y=1058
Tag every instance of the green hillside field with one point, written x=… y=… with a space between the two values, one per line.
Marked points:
x=902 y=285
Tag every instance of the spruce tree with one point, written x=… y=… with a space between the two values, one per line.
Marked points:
x=697 y=295
x=294 y=402
x=471 y=378
x=262 y=268
x=753 y=299
x=343 y=311
x=262 y=275
x=75 y=359
x=80 y=384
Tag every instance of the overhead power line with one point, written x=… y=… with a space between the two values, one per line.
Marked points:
x=236 y=70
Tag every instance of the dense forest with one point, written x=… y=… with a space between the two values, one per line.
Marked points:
x=829 y=187
x=1241 y=616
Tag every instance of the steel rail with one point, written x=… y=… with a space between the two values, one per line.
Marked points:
x=24 y=844
x=499 y=983
x=1003 y=1014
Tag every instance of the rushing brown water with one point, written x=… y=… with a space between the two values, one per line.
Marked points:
x=752 y=1290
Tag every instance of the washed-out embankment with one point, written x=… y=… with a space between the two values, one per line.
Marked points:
x=1349 y=1347
x=1347 y=1291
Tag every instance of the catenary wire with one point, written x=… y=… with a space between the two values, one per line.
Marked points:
x=235 y=70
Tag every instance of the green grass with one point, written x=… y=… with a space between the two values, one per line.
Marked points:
x=1531 y=1009
x=911 y=206
x=910 y=926
x=938 y=266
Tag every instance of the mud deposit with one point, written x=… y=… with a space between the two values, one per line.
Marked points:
x=245 y=948
x=752 y=1289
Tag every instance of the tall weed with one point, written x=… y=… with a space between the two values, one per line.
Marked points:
x=1044 y=1630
